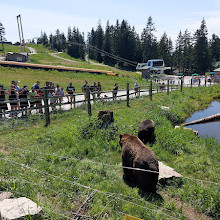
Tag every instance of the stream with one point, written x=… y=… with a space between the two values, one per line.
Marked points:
x=211 y=129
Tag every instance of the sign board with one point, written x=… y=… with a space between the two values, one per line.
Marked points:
x=128 y=217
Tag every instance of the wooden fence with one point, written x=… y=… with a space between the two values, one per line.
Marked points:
x=87 y=98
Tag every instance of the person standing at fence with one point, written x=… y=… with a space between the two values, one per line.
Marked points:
x=115 y=91
x=136 y=86
x=3 y=106
x=84 y=88
x=39 y=101
x=70 y=89
x=52 y=99
x=33 y=95
x=60 y=93
x=23 y=96
x=36 y=85
x=93 y=89
x=13 y=96
x=99 y=89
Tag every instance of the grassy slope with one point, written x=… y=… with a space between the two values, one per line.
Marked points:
x=30 y=76
x=12 y=48
x=69 y=135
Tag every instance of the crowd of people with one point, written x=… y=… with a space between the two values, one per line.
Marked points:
x=20 y=98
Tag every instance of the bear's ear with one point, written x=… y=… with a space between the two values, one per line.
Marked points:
x=120 y=137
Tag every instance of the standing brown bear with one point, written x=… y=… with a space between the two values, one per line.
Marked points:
x=136 y=155
x=146 y=131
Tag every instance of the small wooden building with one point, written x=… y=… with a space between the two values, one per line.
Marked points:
x=217 y=75
x=18 y=57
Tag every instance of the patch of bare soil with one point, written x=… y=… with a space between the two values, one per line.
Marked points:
x=4 y=150
x=189 y=212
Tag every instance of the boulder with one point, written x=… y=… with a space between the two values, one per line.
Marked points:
x=166 y=172
x=19 y=208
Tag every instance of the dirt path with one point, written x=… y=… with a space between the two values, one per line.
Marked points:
x=188 y=211
x=32 y=50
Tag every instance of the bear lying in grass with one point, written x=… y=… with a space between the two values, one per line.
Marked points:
x=146 y=131
x=136 y=155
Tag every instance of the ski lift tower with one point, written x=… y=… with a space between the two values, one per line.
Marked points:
x=20 y=31
x=156 y=66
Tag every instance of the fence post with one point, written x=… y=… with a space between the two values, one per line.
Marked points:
x=191 y=83
x=199 y=82
x=181 y=89
x=74 y=101
x=168 y=85
x=127 y=94
x=205 y=82
x=46 y=106
x=150 y=91
x=89 y=101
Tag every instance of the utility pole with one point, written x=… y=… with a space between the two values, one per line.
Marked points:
x=20 y=31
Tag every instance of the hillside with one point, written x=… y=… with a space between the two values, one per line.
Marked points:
x=53 y=165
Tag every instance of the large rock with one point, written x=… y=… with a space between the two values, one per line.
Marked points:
x=19 y=208
x=166 y=172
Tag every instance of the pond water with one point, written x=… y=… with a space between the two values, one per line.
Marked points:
x=211 y=129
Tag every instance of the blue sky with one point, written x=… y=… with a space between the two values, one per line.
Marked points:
x=48 y=15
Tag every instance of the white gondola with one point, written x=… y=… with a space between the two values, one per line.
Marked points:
x=152 y=67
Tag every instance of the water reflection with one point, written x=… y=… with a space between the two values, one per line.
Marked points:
x=211 y=129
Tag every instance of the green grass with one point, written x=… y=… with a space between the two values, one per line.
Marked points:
x=73 y=134
x=30 y=76
x=40 y=48
x=12 y=48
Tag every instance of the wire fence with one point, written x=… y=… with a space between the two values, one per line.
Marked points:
x=114 y=196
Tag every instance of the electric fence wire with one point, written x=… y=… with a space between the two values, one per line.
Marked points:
x=86 y=187
x=128 y=197
x=59 y=193
x=45 y=208
x=103 y=164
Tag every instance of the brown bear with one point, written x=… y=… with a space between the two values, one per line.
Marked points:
x=136 y=155
x=146 y=131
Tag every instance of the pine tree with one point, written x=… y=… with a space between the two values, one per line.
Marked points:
x=165 y=49
x=107 y=44
x=149 y=42
x=2 y=33
x=215 y=50
x=99 y=36
x=202 y=61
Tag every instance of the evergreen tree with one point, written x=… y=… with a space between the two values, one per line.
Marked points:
x=2 y=33
x=165 y=49
x=107 y=44
x=149 y=42
x=215 y=50
x=91 y=41
x=99 y=36
x=178 y=54
x=43 y=39
x=187 y=53
x=202 y=61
